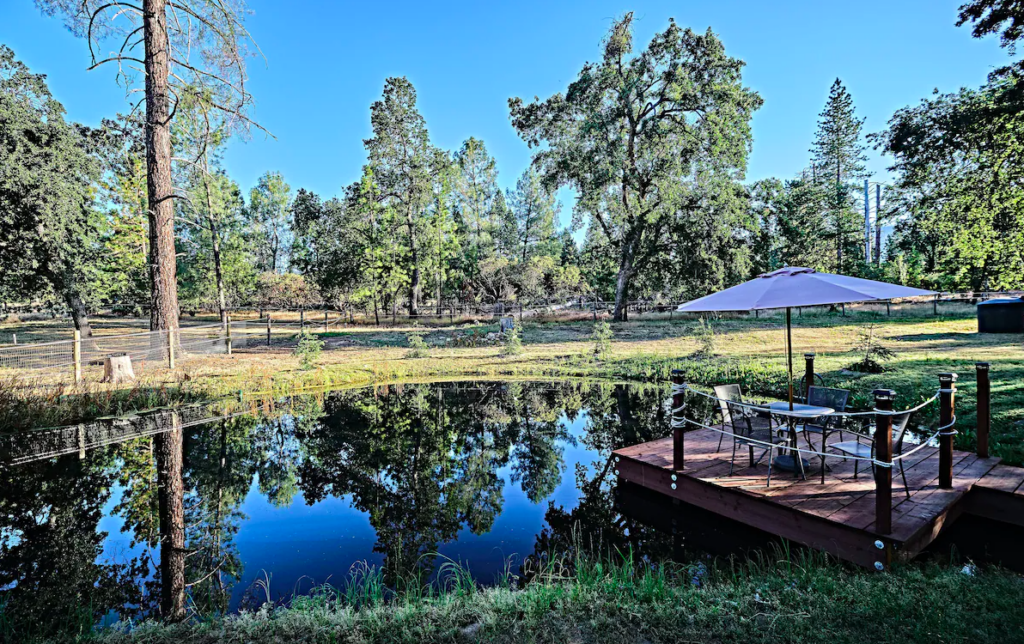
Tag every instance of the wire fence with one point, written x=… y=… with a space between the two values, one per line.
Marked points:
x=142 y=347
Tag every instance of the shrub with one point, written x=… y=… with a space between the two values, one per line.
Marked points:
x=308 y=350
x=602 y=340
x=875 y=353
x=704 y=333
x=417 y=347
x=513 y=344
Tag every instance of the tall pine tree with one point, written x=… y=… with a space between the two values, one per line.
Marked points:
x=838 y=158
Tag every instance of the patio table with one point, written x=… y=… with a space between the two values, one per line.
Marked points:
x=799 y=411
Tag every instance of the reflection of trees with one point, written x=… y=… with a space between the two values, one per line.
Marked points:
x=421 y=460
x=617 y=416
x=535 y=421
x=51 y=582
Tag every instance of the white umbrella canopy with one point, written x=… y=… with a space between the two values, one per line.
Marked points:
x=796 y=286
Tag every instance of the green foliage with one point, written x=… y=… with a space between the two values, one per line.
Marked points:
x=704 y=334
x=602 y=338
x=308 y=350
x=653 y=142
x=874 y=352
x=49 y=223
x=417 y=347
x=513 y=345
x=269 y=219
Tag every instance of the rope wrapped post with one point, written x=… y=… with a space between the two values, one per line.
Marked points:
x=678 y=420
x=883 y=458
x=808 y=375
x=947 y=411
x=984 y=408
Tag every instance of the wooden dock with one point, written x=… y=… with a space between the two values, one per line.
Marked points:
x=837 y=516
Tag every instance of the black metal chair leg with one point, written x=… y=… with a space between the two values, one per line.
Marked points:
x=904 y=476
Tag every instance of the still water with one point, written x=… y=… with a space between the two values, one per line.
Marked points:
x=97 y=524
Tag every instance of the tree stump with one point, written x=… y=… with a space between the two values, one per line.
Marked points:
x=118 y=368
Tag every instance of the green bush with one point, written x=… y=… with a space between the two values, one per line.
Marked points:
x=704 y=333
x=417 y=347
x=513 y=345
x=602 y=340
x=308 y=350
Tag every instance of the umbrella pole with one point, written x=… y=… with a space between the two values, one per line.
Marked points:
x=789 y=353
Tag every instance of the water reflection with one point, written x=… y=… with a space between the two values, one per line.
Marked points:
x=101 y=522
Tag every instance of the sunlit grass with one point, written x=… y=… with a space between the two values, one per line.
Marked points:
x=749 y=351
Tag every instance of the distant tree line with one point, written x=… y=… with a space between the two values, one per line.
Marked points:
x=653 y=140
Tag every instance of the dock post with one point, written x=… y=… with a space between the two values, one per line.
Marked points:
x=678 y=428
x=947 y=412
x=808 y=374
x=984 y=408
x=883 y=454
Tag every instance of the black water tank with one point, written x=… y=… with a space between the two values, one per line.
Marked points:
x=1004 y=315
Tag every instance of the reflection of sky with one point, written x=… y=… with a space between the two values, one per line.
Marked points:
x=301 y=545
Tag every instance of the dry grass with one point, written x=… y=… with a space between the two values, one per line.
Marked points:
x=746 y=349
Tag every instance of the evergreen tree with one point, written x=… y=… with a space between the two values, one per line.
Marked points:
x=534 y=210
x=838 y=160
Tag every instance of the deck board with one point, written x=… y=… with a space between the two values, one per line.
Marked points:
x=837 y=515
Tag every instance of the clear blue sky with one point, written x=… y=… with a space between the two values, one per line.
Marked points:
x=327 y=61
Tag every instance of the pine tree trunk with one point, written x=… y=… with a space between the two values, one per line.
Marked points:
x=218 y=269
x=414 y=284
x=159 y=187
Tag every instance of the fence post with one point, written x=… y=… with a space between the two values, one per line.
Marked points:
x=883 y=454
x=170 y=348
x=14 y=338
x=947 y=411
x=888 y=311
x=302 y=320
x=678 y=415
x=984 y=408
x=808 y=374
x=228 y=333
x=76 y=355
x=935 y=305
x=268 y=328
x=325 y=320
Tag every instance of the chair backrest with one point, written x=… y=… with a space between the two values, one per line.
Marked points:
x=900 y=424
x=725 y=395
x=899 y=431
x=828 y=397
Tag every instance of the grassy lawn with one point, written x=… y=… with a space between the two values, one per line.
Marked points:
x=745 y=350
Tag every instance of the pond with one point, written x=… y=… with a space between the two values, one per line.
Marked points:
x=98 y=523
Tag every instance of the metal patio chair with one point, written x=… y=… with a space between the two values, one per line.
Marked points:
x=753 y=431
x=867 y=450
x=824 y=425
x=733 y=393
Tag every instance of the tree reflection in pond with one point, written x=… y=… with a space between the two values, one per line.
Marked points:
x=463 y=468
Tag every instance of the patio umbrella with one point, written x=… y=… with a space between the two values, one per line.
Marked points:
x=795 y=286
